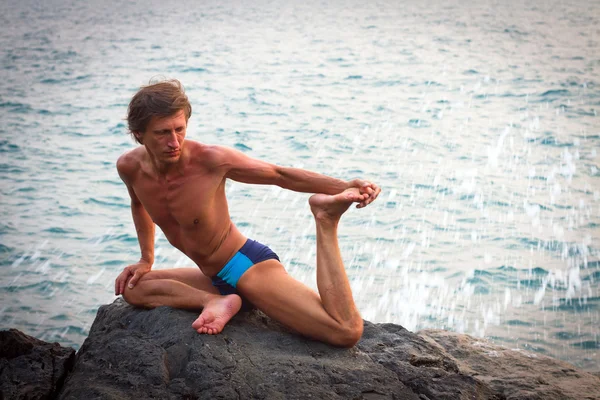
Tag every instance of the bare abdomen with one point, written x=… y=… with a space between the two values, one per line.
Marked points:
x=212 y=254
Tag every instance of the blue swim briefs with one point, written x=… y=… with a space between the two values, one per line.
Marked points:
x=251 y=253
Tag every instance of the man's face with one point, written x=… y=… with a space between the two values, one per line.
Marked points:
x=164 y=137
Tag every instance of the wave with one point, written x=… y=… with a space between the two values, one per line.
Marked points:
x=110 y=201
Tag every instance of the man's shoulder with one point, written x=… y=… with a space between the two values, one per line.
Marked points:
x=130 y=161
x=209 y=154
x=204 y=148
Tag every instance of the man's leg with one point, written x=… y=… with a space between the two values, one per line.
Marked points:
x=331 y=317
x=186 y=288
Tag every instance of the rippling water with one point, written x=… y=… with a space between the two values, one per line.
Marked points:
x=479 y=121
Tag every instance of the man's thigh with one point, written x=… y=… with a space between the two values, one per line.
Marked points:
x=273 y=291
x=190 y=276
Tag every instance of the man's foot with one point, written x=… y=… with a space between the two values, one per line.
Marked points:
x=326 y=207
x=217 y=313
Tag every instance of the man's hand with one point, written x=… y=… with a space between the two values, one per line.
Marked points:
x=365 y=187
x=130 y=276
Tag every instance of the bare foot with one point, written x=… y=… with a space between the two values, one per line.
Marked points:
x=217 y=313
x=324 y=206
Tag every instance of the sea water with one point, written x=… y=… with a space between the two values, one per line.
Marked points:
x=479 y=120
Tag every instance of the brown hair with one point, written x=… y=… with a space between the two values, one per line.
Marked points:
x=160 y=99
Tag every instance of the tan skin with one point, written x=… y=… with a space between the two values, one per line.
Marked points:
x=179 y=185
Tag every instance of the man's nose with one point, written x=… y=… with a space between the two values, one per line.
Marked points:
x=173 y=142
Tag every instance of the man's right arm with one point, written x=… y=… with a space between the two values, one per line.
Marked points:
x=144 y=227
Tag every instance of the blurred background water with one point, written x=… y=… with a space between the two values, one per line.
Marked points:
x=478 y=119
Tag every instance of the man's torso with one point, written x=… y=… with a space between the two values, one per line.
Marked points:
x=190 y=206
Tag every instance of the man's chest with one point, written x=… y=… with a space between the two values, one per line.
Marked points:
x=182 y=201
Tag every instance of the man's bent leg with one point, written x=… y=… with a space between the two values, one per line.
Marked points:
x=332 y=317
x=185 y=288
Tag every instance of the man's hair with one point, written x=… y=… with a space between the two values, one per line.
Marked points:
x=160 y=99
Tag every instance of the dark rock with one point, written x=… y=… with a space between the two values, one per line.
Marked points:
x=31 y=368
x=132 y=353
x=516 y=374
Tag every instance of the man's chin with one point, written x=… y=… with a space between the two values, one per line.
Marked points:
x=170 y=158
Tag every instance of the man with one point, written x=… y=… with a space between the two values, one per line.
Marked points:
x=179 y=185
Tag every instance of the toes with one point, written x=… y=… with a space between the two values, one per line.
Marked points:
x=197 y=325
x=208 y=330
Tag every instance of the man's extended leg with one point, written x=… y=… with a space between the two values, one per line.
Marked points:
x=331 y=317
x=186 y=288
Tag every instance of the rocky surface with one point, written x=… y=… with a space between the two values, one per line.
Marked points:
x=155 y=354
x=515 y=374
x=30 y=368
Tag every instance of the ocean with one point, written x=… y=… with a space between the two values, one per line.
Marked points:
x=479 y=120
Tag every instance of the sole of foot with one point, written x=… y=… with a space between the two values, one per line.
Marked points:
x=217 y=313
x=332 y=207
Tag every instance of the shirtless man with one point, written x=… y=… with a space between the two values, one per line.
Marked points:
x=179 y=185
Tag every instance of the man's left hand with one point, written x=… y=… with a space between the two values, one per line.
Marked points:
x=365 y=187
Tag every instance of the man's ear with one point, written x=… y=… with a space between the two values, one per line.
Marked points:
x=139 y=136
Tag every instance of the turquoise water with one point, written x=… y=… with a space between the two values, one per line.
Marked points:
x=478 y=120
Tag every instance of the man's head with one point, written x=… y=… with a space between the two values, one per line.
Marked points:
x=159 y=100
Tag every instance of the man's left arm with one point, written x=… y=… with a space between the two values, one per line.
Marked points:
x=241 y=168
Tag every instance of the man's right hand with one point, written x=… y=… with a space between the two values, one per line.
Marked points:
x=130 y=276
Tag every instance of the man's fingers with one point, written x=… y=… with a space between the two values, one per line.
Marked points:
x=133 y=280
x=364 y=187
x=377 y=191
x=118 y=285
x=120 y=281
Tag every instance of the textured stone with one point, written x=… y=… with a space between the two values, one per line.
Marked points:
x=31 y=368
x=133 y=353
x=516 y=374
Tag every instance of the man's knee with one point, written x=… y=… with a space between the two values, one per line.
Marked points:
x=135 y=296
x=348 y=335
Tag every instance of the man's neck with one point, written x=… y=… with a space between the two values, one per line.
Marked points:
x=168 y=170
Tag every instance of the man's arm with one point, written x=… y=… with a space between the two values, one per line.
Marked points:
x=144 y=227
x=242 y=168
